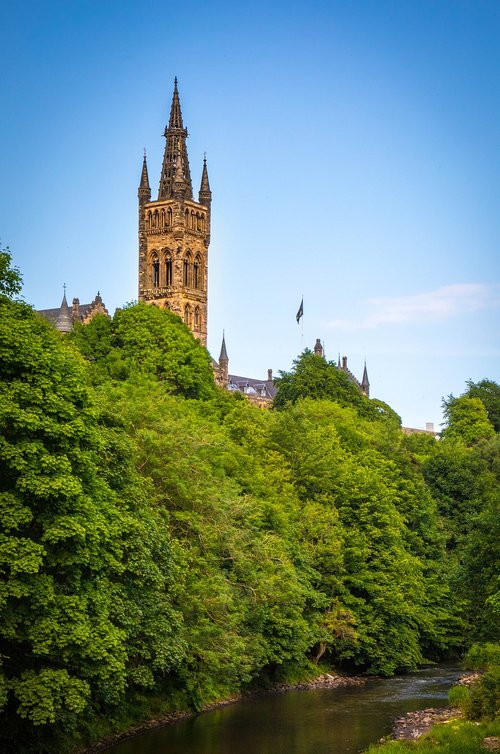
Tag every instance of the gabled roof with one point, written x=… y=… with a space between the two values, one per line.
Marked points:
x=250 y=384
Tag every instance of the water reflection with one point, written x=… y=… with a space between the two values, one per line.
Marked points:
x=321 y=721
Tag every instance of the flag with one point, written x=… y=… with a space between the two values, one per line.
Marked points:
x=300 y=313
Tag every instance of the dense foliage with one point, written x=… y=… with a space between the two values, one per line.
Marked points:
x=164 y=544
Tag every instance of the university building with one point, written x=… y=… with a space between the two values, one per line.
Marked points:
x=174 y=238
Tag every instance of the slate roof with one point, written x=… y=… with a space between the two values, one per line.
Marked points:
x=53 y=314
x=252 y=386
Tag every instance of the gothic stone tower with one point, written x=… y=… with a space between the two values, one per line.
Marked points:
x=174 y=233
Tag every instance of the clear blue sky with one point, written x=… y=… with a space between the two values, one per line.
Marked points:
x=354 y=157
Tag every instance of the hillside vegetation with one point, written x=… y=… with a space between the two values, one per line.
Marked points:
x=164 y=544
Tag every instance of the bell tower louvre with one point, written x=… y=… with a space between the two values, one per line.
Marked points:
x=174 y=232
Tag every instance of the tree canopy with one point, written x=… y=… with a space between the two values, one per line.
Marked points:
x=165 y=544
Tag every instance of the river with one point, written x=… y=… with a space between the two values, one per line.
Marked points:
x=316 y=721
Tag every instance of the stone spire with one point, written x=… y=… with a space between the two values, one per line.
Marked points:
x=175 y=151
x=64 y=322
x=144 y=192
x=365 y=383
x=223 y=372
x=175 y=120
x=204 y=194
x=223 y=352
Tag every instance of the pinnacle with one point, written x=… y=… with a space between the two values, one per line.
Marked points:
x=175 y=152
x=223 y=352
x=175 y=120
x=144 y=175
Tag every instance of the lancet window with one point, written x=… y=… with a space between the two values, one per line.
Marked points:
x=197 y=272
x=186 y=271
x=168 y=268
x=155 y=270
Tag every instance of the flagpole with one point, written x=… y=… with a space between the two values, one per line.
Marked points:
x=298 y=317
x=302 y=329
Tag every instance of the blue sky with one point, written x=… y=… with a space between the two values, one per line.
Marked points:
x=353 y=150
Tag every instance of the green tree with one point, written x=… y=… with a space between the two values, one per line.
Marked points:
x=467 y=419
x=87 y=568
x=144 y=339
x=245 y=600
x=373 y=537
x=314 y=377
x=489 y=392
x=10 y=277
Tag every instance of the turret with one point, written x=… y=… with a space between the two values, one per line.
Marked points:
x=64 y=321
x=144 y=191
x=223 y=364
x=365 y=383
x=318 y=348
x=204 y=194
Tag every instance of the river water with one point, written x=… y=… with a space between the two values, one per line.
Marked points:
x=316 y=721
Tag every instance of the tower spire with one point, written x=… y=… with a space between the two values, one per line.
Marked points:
x=223 y=351
x=64 y=322
x=175 y=133
x=175 y=120
x=204 y=194
x=223 y=371
x=144 y=187
x=365 y=383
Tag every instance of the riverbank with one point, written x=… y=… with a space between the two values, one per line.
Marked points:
x=444 y=730
x=412 y=725
x=455 y=735
x=323 y=681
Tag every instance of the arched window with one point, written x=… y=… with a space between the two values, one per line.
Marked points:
x=169 y=216
x=186 y=218
x=193 y=220
x=187 y=314
x=155 y=219
x=197 y=317
x=186 y=271
x=197 y=272
x=155 y=270
x=150 y=219
x=163 y=218
x=198 y=222
x=168 y=268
